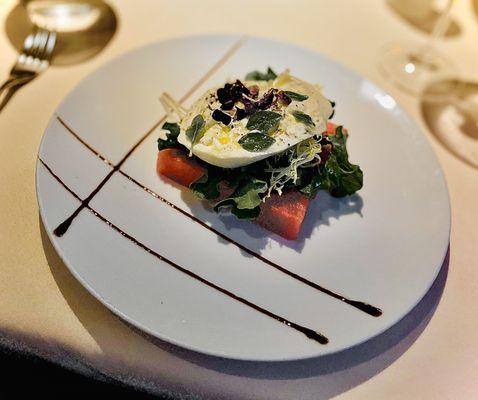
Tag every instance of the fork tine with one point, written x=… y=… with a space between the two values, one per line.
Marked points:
x=42 y=49
x=49 y=47
x=42 y=41
x=37 y=43
x=34 y=43
x=28 y=42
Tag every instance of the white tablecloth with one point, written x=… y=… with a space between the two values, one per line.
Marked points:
x=431 y=354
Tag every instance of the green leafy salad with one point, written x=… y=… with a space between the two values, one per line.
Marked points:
x=261 y=137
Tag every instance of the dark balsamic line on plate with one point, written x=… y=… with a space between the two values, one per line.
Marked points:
x=362 y=306
x=61 y=229
x=310 y=333
x=58 y=179
x=94 y=151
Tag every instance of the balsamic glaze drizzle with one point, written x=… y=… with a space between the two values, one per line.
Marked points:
x=365 y=307
x=61 y=229
x=83 y=142
x=310 y=333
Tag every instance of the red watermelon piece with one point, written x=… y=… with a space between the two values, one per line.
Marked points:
x=178 y=166
x=281 y=214
x=331 y=127
x=284 y=214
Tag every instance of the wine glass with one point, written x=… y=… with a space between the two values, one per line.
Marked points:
x=84 y=27
x=450 y=111
x=63 y=15
x=412 y=66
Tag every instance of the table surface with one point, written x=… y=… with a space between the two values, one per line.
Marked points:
x=431 y=354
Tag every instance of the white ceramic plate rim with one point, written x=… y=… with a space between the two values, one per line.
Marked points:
x=172 y=340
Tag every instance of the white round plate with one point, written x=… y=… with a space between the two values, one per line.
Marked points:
x=384 y=246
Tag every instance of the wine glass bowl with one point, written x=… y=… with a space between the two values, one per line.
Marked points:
x=411 y=67
x=84 y=27
x=450 y=111
x=423 y=16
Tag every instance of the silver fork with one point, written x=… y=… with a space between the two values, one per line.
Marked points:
x=34 y=59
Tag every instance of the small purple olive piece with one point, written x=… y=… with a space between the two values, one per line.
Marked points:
x=240 y=114
x=239 y=86
x=325 y=153
x=228 y=105
x=221 y=116
x=283 y=98
x=230 y=93
x=253 y=91
x=267 y=100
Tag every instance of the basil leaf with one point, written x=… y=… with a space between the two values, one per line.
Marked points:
x=296 y=96
x=260 y=76
x=303 y=118
x=171 y=140
x=245 y=201
x=256 y=141
x=264 y=121
x=195 y=128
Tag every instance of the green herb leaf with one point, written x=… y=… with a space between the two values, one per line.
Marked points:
x=172 y=127
x=242 y=213
x=303 y=118
x=264 y=121
x=256 y=141
x=296 y=96
x=195 y=128
x=338 y=176
x=261 y=76
x=332 y=103
x=247 y=196
x=245 y=201
x=171 y=140
x=206 y=187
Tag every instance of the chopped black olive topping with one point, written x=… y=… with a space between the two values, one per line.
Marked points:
x=221 y=116
x=230 y=93
x=236 y=92
x=240 y=113
x=253 y=91
x=267 y=100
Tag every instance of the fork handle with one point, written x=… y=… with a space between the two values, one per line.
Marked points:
x=10 y=86
x=16 y=80
x=7 y=84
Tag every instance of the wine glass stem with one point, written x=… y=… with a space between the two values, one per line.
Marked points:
x=438 y=31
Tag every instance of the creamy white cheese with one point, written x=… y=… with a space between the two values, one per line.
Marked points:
x=218 y=144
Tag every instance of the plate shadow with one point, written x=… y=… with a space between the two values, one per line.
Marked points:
x=327 y=375
x=320 y=212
